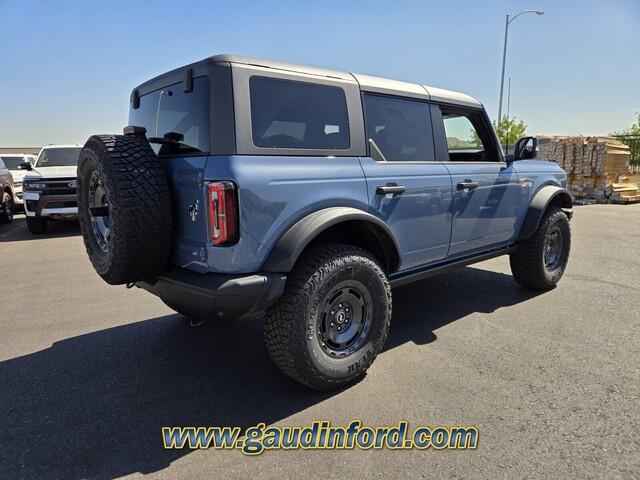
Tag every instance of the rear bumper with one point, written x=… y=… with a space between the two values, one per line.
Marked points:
x=216 y=295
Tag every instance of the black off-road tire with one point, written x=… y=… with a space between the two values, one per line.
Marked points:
x=37 y=225
x=528 y=264
x=137 y=196
x=292 y=325
x=6 y=216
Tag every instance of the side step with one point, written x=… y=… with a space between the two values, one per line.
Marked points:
x=402 y=278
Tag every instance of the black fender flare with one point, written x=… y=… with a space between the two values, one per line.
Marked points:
x=541 y=200
x=285 y=253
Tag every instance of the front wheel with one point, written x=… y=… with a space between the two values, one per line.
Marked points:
x=37 y=225
x=541 y=260
x=6 y=216
x=332 y=319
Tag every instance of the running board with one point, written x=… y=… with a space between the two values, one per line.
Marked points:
x=402 y=278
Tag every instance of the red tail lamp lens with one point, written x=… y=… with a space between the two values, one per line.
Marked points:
x=223 y=213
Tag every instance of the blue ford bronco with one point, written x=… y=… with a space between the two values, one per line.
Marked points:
x=243 y=185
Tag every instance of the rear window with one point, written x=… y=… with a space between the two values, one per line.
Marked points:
x=291 y=114
x=171 y=110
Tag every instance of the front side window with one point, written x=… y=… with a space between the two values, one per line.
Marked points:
x=179 y=119
x=400 y=128
x=468 y=139
x=301 y=115
x=58 y=157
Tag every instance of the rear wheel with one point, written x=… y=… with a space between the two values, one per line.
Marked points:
x=333 y=318
x=6 y=216
x=37 y=225
x=541 y=260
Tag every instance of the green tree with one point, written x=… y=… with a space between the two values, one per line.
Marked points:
x=509 y=131
x=633 y=129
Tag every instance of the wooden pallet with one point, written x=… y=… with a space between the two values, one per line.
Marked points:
x=625 y=200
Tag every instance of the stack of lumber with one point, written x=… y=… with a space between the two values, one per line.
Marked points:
x=626 y=191
x=592 y=163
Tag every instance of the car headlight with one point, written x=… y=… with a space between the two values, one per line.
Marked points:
x=34 y=186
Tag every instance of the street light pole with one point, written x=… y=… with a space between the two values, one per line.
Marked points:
x=504 y=61
x=508 y=20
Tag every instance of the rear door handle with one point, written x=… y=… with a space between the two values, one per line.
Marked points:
x=387 y=189
x=468 y=185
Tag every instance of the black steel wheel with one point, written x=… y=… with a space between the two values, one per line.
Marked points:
x=345 y=319
x=332 y=319
x=99 y=210
x=541 y=260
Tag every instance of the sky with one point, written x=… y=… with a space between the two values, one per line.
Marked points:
x=68 y=67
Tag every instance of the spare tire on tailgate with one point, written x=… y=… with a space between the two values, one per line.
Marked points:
x=124 y=207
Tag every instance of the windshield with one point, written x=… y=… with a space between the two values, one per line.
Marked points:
x=58 y=157
x=13 y=163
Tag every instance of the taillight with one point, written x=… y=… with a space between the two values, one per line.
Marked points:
x=223 y=213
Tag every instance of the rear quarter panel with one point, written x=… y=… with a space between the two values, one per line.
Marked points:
x=274 y=193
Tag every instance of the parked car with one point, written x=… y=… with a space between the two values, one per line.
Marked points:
x=49 y=187
x=6 y=194
x=15 y=163
x=243 y=185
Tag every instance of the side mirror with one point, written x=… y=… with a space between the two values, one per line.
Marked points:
x=525 y=148
x=26 y=166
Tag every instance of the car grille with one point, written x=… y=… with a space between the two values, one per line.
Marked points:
x=59 y=186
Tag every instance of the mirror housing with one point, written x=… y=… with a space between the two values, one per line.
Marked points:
x=25 y=166
x=525 y=148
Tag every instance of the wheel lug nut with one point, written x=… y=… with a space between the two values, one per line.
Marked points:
x=333 y=312
x=333 y=324
x=346 y=320
x=339 y=329
x=339 y=305
x=346 y=309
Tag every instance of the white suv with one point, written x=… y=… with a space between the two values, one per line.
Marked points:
x=49 y=189
x=15 y=162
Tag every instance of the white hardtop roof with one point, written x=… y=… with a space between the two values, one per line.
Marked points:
x=366 y=82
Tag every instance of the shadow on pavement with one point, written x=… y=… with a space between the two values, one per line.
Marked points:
x=92 y=406
x=16 y=231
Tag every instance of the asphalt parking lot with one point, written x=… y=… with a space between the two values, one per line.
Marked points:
x=89 y=373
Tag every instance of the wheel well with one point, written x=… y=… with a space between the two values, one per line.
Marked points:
x=366 y=235
x=562 y=200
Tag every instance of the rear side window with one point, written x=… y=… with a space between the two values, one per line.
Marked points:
x=400 y=128
x=291 y=114
x=170 y=110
